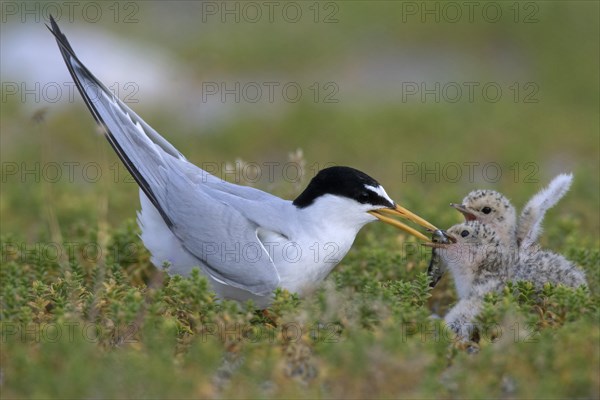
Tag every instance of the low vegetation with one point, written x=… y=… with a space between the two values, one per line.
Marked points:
x=103 y=322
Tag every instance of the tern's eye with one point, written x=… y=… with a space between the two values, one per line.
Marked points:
x=464 y=233
x=363 y=196
x=486 y=210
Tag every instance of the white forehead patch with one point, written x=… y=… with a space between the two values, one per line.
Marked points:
x=380 y=191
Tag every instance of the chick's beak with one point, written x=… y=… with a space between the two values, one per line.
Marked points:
x=402 y=212
x=469 y=216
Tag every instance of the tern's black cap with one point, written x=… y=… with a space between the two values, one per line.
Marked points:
x=342 y=181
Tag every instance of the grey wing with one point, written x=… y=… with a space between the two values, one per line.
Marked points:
x=218 y=234
x=529 y=226
x=192 y=211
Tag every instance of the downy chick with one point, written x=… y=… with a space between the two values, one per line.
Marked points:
x=478 y=265
x=495 y=210
x=488 y=207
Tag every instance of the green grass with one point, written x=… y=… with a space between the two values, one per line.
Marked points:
x=83 y=313
x=99 y=326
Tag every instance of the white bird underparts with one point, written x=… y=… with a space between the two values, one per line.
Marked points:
x=247 y=242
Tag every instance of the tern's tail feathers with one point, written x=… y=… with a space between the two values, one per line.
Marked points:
x=139 y=146
x=529 y=226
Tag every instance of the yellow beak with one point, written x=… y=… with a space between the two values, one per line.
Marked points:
x=402 y=212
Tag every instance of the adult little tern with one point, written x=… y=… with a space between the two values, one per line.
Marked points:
x=246 y=241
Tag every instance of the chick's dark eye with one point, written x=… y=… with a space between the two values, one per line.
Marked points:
x=486 y=210
x=464 y=233
x=363 y=196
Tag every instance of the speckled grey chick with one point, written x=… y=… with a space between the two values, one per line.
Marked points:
x=493 y=209
x=478 y=264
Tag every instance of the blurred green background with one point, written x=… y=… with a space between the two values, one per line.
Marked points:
x=379 y=92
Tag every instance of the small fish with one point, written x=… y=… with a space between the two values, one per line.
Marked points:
x=436 y=268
